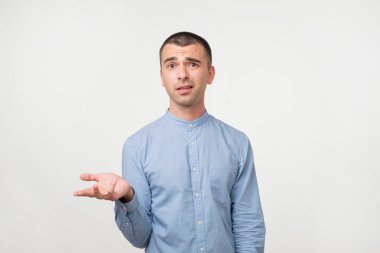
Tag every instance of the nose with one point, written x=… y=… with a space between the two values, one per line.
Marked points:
x=182 y=72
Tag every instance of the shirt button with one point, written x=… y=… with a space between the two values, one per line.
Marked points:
x=193 y=142
x=197 y=194
x=200 y=222
x=190 y=125
x=201 y=249
x=127 y=223
x=194 y=169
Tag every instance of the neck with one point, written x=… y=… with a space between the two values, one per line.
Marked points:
x=187 y=113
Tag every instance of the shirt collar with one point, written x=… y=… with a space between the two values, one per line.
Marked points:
x=184 y=123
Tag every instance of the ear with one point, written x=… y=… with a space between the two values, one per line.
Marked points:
x=211 y=74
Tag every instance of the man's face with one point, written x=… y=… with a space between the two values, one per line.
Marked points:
x=185 y=74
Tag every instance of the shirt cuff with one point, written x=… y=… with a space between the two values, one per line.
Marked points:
x=130 y=206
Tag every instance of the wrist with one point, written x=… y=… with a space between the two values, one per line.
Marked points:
x=128 y=196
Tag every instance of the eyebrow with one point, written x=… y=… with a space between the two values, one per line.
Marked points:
x=187 y=59
x=192 y=60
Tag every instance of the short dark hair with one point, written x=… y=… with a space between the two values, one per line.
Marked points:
x=184 y=39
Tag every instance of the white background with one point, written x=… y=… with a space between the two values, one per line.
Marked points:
x=301 y=78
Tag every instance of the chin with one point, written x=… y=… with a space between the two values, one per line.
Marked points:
x=185 y=103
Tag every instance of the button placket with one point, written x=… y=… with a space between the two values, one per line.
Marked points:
x=196 y=187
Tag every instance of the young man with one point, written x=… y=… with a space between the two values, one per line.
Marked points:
x=189 y=182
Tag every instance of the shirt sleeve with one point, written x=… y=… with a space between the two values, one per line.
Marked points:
x=134 y=218
x=247 y=216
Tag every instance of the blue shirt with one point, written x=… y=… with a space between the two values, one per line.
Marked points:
x=195 y=189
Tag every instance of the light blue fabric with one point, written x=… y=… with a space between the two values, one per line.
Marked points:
x=195 y=189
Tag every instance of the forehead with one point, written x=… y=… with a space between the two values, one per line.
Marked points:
x=195 y=51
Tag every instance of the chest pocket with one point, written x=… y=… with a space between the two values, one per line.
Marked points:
x=222 y=178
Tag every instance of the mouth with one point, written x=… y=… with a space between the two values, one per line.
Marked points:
x=185 y=89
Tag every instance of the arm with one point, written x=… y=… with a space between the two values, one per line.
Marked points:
x=131 y=215
x=134 y=217
x=247 y=216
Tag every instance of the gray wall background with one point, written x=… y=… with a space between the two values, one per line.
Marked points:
x=301 y=78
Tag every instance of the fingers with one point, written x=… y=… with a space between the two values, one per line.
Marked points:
x=88 y=177
x=92 y=192
x=89 y=192
x=103 y=189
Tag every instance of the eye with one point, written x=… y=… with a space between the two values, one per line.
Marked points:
x=193 y=64
x=170 y=66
